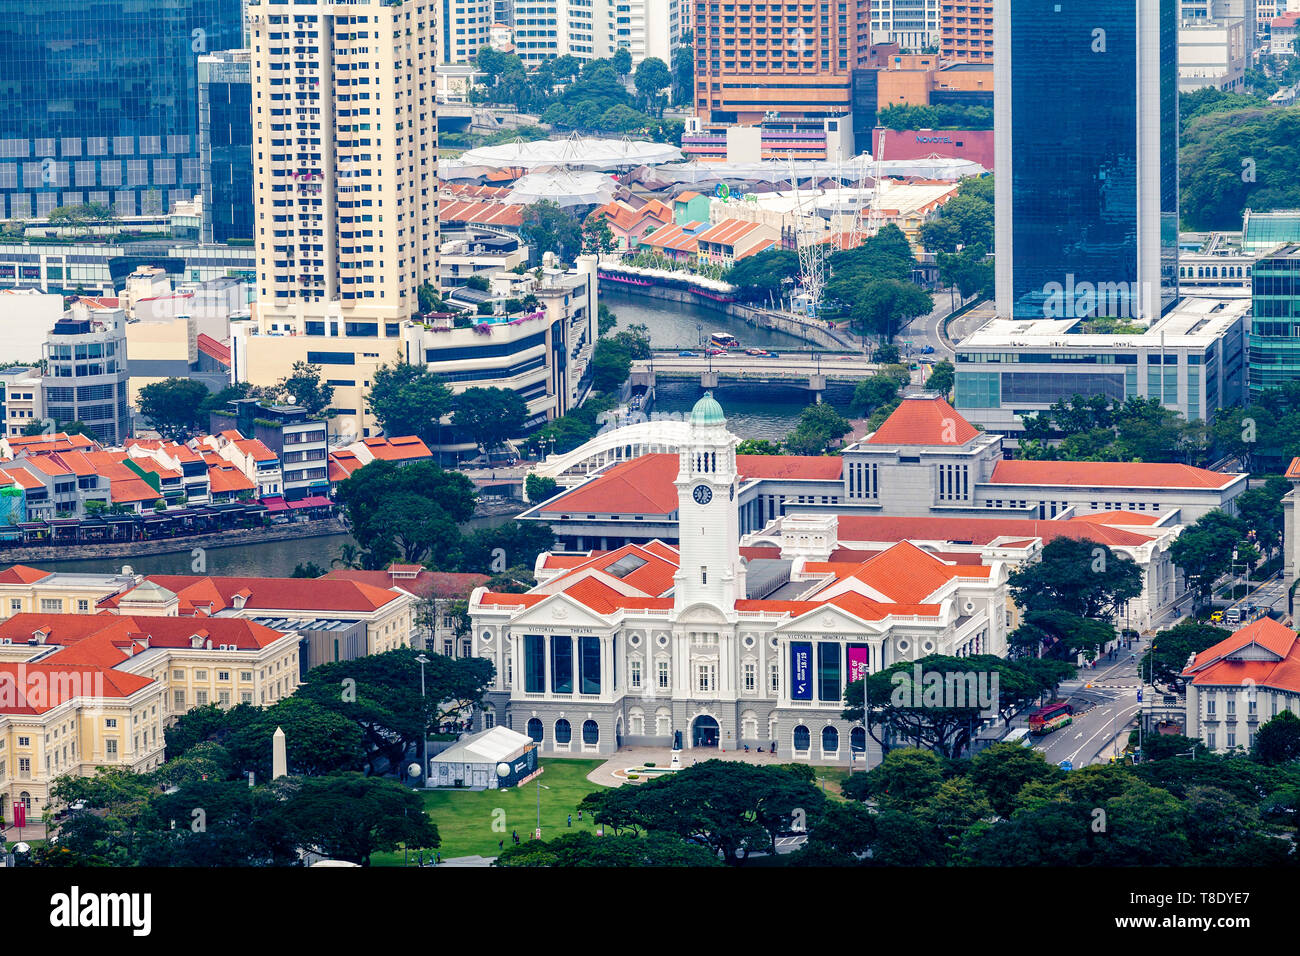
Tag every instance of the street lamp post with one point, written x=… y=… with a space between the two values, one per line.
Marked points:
x=424 y=728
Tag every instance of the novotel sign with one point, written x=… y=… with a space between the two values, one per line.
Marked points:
x=933 y=139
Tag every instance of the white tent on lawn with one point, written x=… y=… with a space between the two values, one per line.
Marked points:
x=473 y=760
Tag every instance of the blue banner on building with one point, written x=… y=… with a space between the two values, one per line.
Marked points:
x=801 y=671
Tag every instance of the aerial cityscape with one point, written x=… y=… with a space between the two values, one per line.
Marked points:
x=487 y=434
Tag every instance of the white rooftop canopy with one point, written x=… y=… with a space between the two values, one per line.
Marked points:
x=573 y=153
x=490 y=746
x=563 y=186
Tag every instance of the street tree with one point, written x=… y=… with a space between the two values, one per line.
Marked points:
x=488 y=416
x=350 y=816
x=175 y=407
x=409 y=400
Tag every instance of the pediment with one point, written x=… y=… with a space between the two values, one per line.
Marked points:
x=558 y=611
x=828 y=619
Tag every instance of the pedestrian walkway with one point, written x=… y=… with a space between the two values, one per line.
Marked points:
x=469 y=861
x=662 y=757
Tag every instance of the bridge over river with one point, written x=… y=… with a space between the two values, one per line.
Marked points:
x=812 y=371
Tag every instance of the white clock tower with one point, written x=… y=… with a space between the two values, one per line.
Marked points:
x=709 y=522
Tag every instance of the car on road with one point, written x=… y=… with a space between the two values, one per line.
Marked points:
x=755 y=351
x=927 y=350
x=689 y=354
x=713 y=350
x=772 y=355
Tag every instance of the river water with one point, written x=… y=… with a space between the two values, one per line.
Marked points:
x=771 y=414
x=679 y=325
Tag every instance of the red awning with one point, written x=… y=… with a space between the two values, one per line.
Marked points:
x=312 y=501
x=275 y=504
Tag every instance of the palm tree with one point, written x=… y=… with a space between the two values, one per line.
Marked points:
x=349 y=557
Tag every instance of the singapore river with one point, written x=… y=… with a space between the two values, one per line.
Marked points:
x=770 y=414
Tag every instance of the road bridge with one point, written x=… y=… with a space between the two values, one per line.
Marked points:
x=812 y=371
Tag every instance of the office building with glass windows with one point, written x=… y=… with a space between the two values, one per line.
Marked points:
x=86 y=372
x=226 y=145
x=1192 y=359
x=1086 y=120
x=1275 y=326
x=99 y=101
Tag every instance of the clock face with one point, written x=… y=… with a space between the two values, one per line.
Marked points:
x=702 y=494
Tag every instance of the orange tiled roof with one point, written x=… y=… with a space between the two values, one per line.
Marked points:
x=425 y=584
x=270 y=594
x=214 y=349
x=400 y=448
x=1274 y=660
x=488 y=213
x=653 y=578
x=644 y=485
x=978 y=531
x=22 y=574
x=923 y=421
x=1107 y=474
x=226 y=477
x=1119 y=518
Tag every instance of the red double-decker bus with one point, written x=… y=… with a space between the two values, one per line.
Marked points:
x=1046 y=719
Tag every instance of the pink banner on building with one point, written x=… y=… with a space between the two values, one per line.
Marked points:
x=857 y=663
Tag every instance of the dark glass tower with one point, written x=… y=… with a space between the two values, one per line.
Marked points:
x=226 y=145
x=1086 y=111
x=99 y=101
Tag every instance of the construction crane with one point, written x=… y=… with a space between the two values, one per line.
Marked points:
x=863 y=231
x=811 y=246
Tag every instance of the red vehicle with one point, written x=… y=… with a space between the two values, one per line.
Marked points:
x=1046 y=719
x=713 y=350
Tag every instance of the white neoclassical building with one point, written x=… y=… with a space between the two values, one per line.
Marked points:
x=633 y=645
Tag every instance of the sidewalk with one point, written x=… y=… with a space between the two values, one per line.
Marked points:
x=663 y=757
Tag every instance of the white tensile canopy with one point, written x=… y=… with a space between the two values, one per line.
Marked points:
x=573 y=153
x=564 y=187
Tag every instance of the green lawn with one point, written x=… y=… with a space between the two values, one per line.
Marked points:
x=469 y=823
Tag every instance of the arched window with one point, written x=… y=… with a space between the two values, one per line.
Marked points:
x=802 y=739
x=590 y=732
x=858 y=740
x=830 y=740
x=563 y=732
x=535 y=729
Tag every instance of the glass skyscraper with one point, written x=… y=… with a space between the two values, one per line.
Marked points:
x=1275 y=327
x=1086 y=115
x=99 y=101
x=226 y=145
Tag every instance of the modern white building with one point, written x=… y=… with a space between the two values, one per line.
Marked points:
x=1192 y=359
x=596 y=29
x=26 y=318
x=1214 y=53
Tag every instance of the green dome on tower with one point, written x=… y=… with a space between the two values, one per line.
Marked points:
x=707 y=411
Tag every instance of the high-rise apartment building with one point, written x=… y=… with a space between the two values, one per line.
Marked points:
x=1086 y=116
x=345 y=166
x=966 y=31
x=597 y=29
x=465 y=27
x=99 y=101
x=774 y=61
x=912 y=24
